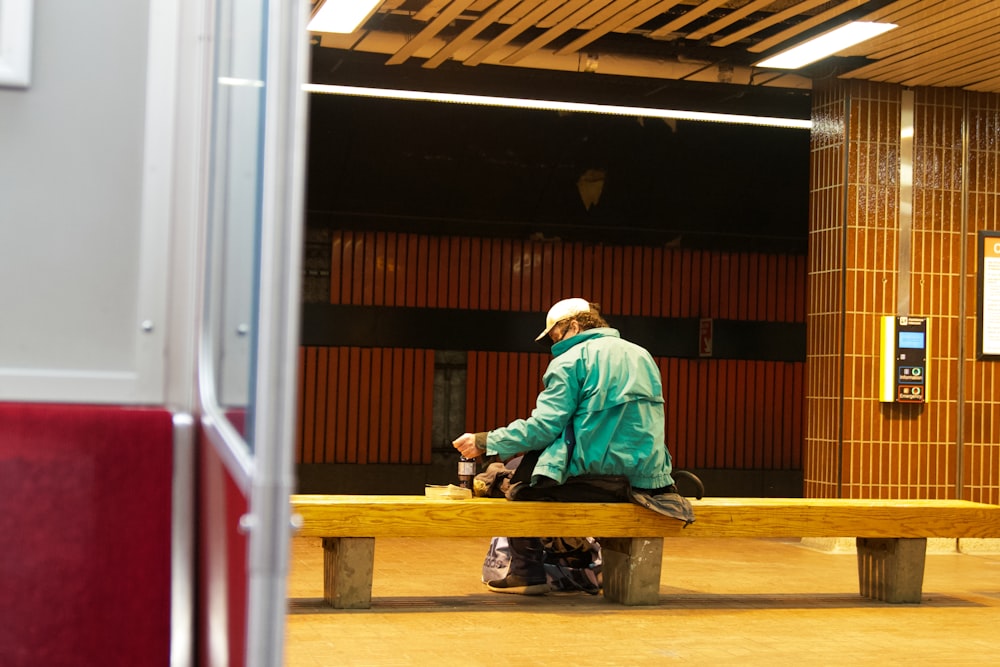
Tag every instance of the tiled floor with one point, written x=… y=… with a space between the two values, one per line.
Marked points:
x=722 y=602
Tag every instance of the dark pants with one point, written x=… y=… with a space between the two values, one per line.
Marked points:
x=527 y=558
x=527 y=554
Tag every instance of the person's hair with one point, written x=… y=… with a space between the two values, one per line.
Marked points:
x=591 y=319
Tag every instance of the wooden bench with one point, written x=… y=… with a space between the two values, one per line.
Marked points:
x=891 y=534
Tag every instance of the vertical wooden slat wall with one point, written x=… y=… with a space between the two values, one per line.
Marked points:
x=721 y=413
x=365 y=405
x=390 y=269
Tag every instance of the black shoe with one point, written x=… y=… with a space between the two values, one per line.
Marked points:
x=519 y=586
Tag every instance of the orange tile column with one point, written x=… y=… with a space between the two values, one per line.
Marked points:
x=856 y=446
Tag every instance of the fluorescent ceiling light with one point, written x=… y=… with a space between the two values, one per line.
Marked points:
x=341 y=15
x=826 y=44
x=551 y=105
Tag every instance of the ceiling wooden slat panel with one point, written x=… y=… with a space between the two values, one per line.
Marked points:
x=599 y=18
x=774 y=19
x=541 y=10
x=519 y=11
x=987 y=85
x=812 y=22
x=901 y=9
x=432 y=29
x=648 y=15
x=925 y=27
x=939 y=46
x=626 y=16
x=686 y=18
x=909 y=13
x=945 y=43
x=583 y=9
x=598 y=25
x=559 y=16
x=730 y=19
x=430 y=10
x=470 y=33
x=967 y=71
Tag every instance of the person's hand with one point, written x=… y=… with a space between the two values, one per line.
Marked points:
x=466 y=444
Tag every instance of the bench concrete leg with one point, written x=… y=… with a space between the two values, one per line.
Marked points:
x=348 y=563
x=631 y=569
x=891 y=569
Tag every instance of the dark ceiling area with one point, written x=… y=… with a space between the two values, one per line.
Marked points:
x=348 y=68
x=457 y=169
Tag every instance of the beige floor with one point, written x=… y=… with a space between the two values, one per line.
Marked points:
x=722 y=602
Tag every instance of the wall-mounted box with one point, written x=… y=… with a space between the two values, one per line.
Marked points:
x=903 y=360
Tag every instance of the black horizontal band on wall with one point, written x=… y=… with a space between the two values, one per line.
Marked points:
x=329 y=325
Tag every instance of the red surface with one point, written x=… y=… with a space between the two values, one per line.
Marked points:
x=222 y=560
x=85 y=507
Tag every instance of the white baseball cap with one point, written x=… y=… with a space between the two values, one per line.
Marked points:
x=561 y=310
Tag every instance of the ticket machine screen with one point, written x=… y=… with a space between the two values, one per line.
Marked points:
x=911 y=339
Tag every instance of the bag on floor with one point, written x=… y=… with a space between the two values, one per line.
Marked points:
x=571 y=564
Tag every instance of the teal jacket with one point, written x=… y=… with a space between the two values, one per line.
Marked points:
x=611 y=390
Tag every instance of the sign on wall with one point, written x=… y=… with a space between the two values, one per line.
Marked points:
x=705 y=337
x=988 y=296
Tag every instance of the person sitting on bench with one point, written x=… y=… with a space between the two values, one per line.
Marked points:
x=600 y=414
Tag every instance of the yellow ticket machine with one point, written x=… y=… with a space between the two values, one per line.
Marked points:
x=903 y=360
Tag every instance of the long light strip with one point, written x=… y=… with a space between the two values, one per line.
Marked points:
x=551 y=105
x=825 y=45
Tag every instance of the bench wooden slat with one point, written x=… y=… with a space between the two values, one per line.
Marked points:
x=417 y=516
x=891 y=534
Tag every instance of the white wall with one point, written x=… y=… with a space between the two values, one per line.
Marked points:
x=84 y=190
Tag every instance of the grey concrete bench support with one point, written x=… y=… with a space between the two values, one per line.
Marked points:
x=348 y=566
x=631 y=569
x=891 y=569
